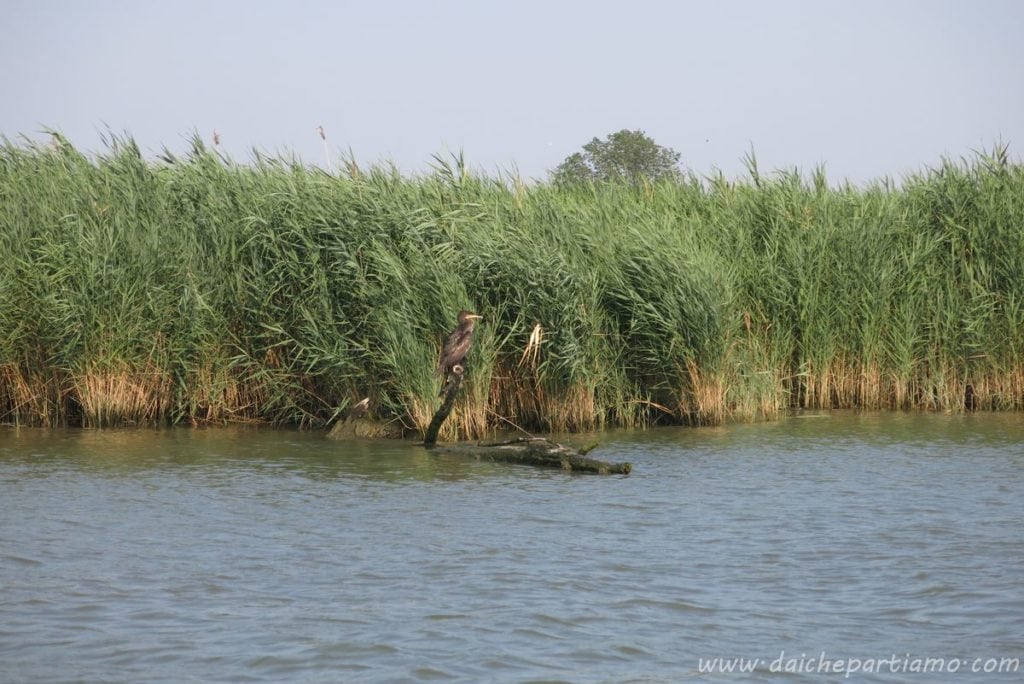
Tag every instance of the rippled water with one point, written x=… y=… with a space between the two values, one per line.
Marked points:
x=260 y=556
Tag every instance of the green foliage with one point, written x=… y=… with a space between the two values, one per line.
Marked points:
x=627 y=155
x=198 y=289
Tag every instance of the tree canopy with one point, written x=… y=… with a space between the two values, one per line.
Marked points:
x=626 y=155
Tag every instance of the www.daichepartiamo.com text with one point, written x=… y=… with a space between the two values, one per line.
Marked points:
x=822 y=663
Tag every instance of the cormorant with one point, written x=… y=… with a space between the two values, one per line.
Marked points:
x=456 y=347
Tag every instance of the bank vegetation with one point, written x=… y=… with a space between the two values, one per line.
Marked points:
x=196 y=289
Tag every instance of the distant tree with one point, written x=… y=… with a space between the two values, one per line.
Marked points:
x=626 y=155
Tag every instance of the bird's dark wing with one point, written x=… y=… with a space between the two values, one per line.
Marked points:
x=456 y=347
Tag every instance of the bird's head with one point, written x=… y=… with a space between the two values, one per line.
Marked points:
x=465 y=316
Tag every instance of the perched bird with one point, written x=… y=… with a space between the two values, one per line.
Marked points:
x=456 y=347
x=359 y=410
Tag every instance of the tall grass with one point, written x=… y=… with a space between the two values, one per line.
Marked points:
x=197 y=289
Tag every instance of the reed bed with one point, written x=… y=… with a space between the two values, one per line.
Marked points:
x=197 y=289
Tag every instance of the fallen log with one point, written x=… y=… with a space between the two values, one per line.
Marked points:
x=536 y=451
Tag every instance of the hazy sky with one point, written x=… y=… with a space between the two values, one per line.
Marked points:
x=866 y=87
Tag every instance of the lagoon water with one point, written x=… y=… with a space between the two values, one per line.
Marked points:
x=227 y=555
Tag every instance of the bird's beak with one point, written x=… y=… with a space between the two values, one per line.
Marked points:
x=474 y=316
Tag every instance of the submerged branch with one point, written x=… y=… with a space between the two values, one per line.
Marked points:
x=451 y=388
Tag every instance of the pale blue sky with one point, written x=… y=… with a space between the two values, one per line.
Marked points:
x=867 y=87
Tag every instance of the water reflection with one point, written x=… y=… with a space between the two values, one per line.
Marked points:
x=132 y=451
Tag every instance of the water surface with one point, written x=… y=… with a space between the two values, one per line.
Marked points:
x=270 y=556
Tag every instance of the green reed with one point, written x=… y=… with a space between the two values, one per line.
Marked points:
x=198 y=289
